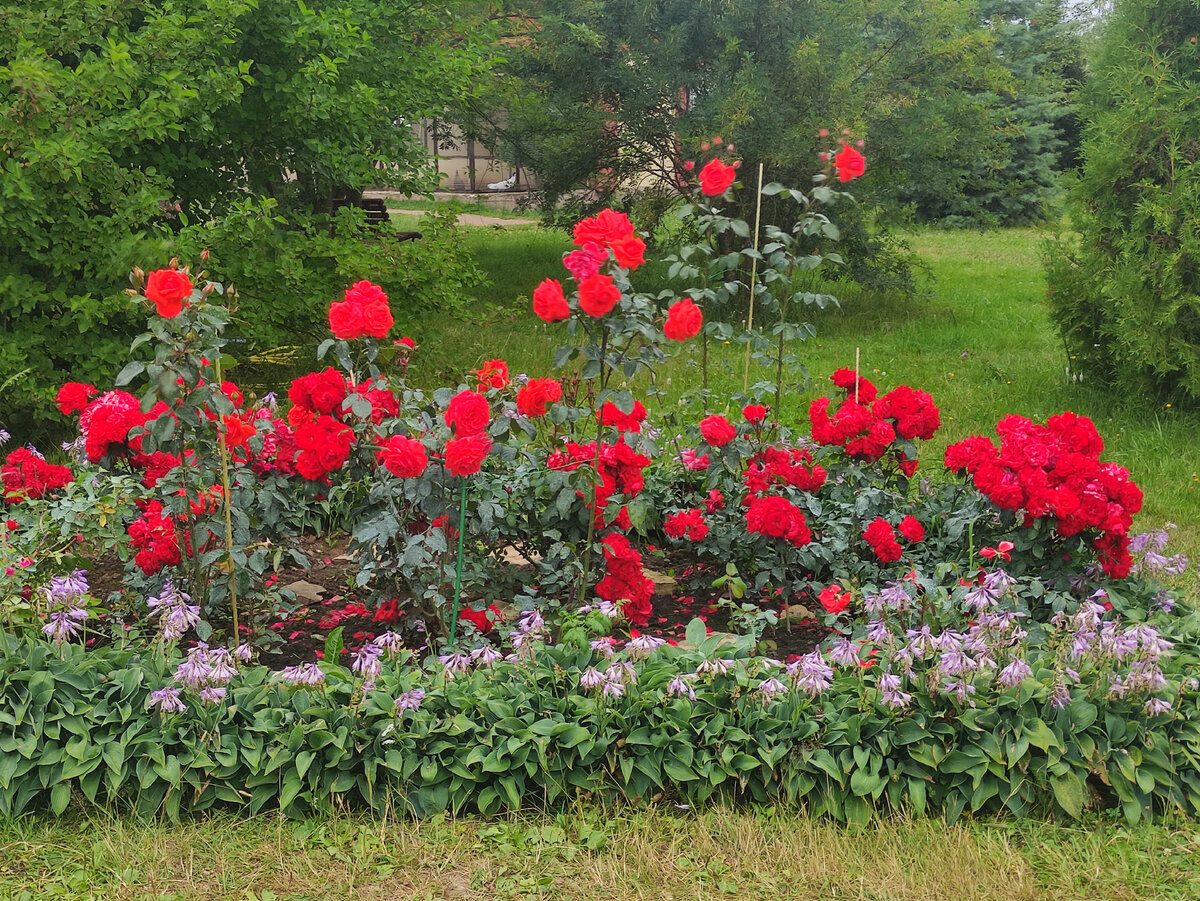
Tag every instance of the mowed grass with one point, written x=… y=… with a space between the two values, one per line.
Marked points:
x=978 y=338
x=591 y=853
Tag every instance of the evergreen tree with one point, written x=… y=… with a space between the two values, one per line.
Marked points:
x=1126 y=294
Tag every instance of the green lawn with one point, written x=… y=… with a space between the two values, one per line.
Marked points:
x=590 y=853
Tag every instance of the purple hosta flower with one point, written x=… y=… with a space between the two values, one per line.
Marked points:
x=531 y=623
x=365 y=661
x=769 y=663
x=4 y=437
x=35 y=452
x=591 y=678
x=903 y=660
x=193 y=673
x=270 y=400
x=956 y=662
x=681 y=687
x=212 y=694
x=715 y=667
x=166 y=700
x=874 y=604
x=811 y=674
x=623 y=670
x=368 y=686
x=455 y=664
x=998 y=582
x=391 y=643
x=604 y=647
x=979 y=598
x=643 y=646
x=307 y=674
x=1081 y=644
x=920 y=642
x=65 y=624
x=174 y=612
x=843 y=653
x=1145 y=676
x=65 y=589
x=1156 y=706
x=410 y=700
x=771 y=688
x=609 y=609
x=1015 y=673
x=1152 y=642
x=243 y=653
x=960 y=689
x=896 y=595
x=1164 y=601
x=890 y=693
x=613 y=686
x=1060 y=696
x=877 y=632
x=221 y=667
x=486 y=655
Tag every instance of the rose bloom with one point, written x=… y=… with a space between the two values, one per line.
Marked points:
x=716 y=177
x=535 y=398
x=684 y=320
x=632 y=421
x=549 y=303
x=629 y=252
x=346 y=320
x=73 y=397
x=833 y=599
x=598 y=295
x=910 y=527
x=377 y=319
x=493 y=374
x=754 y=412
x=694 y=461
x=465 y=455
x=717 y=430
x=467 y=413
x=850 y=163
x=403 y=457
x=168 y=289
x=605 y=229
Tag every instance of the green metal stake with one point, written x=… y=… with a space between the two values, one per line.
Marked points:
x=462 y=522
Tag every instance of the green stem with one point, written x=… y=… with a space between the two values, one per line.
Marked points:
x=462 y=522
x=591 y=532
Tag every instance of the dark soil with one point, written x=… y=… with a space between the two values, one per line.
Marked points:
x=300 y=635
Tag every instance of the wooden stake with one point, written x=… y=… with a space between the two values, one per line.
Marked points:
x=753 y=280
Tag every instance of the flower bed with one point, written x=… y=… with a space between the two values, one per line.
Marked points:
x=990 y=638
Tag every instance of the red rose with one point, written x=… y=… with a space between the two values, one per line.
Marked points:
x=777 y=517
x=632 y=421
x=598 y=295
x=365 y=293
x=629 y=252
x=326 y=390
x=549 y=303
x=605 y=229
x=345 y=320
x=465 y=455
x=168 y=289
x=850 y=163
x=684 y=320
x=717 y=430
x=493 y=374
x=833 y=599
x=910 y=527
x=716 y=177
x=535 y=398
x=377 y=319
x=467 y=413
x=73 y=397
x=754 y=412
x=403 y=457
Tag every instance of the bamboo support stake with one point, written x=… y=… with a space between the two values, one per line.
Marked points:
x=753 y=278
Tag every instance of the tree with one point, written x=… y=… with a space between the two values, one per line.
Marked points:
x=1126 y=294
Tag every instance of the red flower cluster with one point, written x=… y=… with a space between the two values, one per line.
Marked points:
x=684 y=320
x=323 y=447
x=632 y=421
x=717 y=430
x=365 y=311
x=106 y=421
x=493 y=374
x=620 y=469
x=881 y=536
x=776 y=466
x=625 y=581
x=687 y=524
x=315 y=393
x=609 y=230
x=483 y=620
x=26 y=475
x=384 y=403
x=155 y=538
x=867 y=428
x=536 y=396
x=1055 y=471
x=467 y=413
x=777 y=517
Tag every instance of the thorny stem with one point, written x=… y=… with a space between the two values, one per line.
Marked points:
x=223 y=450
x=591 y=532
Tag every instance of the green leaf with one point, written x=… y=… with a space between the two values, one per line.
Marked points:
x=696 y=632
x=333 y=646
x=1068 y=792
x=60 y=797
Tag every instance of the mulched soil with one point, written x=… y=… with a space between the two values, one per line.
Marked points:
x=300 y=636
